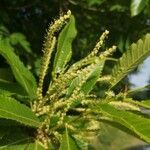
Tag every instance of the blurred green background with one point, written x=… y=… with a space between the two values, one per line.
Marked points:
x=24 y=23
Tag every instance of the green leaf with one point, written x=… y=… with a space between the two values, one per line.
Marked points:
x=118 y=8
x=144 y=103
x=35 y=146
x=147 y=103
x=3 y=30
x=11 y=109
x=12 y=87
x=54 y=120
x=68 y=142
x=130 y=59
x=5 y=93
x=110 y=138
x=136 y=123
x=73 y=85
x=135 y=90
x=22 y=74
x=94 y=2
x=91 y=81
x=18 y=38
x=17 y=141
x=16 y=147
x=137 y=6
x=6 y=74
x=64 y=46
x=8 y=123
x=83 y=145
x=3 y=131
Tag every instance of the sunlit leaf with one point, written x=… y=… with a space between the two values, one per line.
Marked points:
x=35 y=146
x=22 y=74
x=137 y=6
x=64 y=46
x=95 y=74
x=136 y=123
x=68 y=142
x=91 y=79
x=11 y=109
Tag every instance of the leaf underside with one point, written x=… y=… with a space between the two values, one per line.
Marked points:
x=136 y=123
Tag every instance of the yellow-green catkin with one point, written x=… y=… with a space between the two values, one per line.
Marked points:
x=98 y=44
x=43 y=138
x=61 y=85
x=44 y=66
x=75 y=69
x=105 y=78
x=48 y=49
x=92 y=54
x=108 y=52
x=124 y=106
x=77 y=94
x=72 y=72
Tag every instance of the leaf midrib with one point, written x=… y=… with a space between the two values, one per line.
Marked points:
x=68 y=144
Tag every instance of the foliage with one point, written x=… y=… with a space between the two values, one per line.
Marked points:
x=57 y=116
x=64 y=48
x=137 y=6
x=130 y=59
x=22 y=75
x=31 y=19
x=128 y=20
x=15 y=39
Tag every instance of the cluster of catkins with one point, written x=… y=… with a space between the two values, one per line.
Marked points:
x=57 y=101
